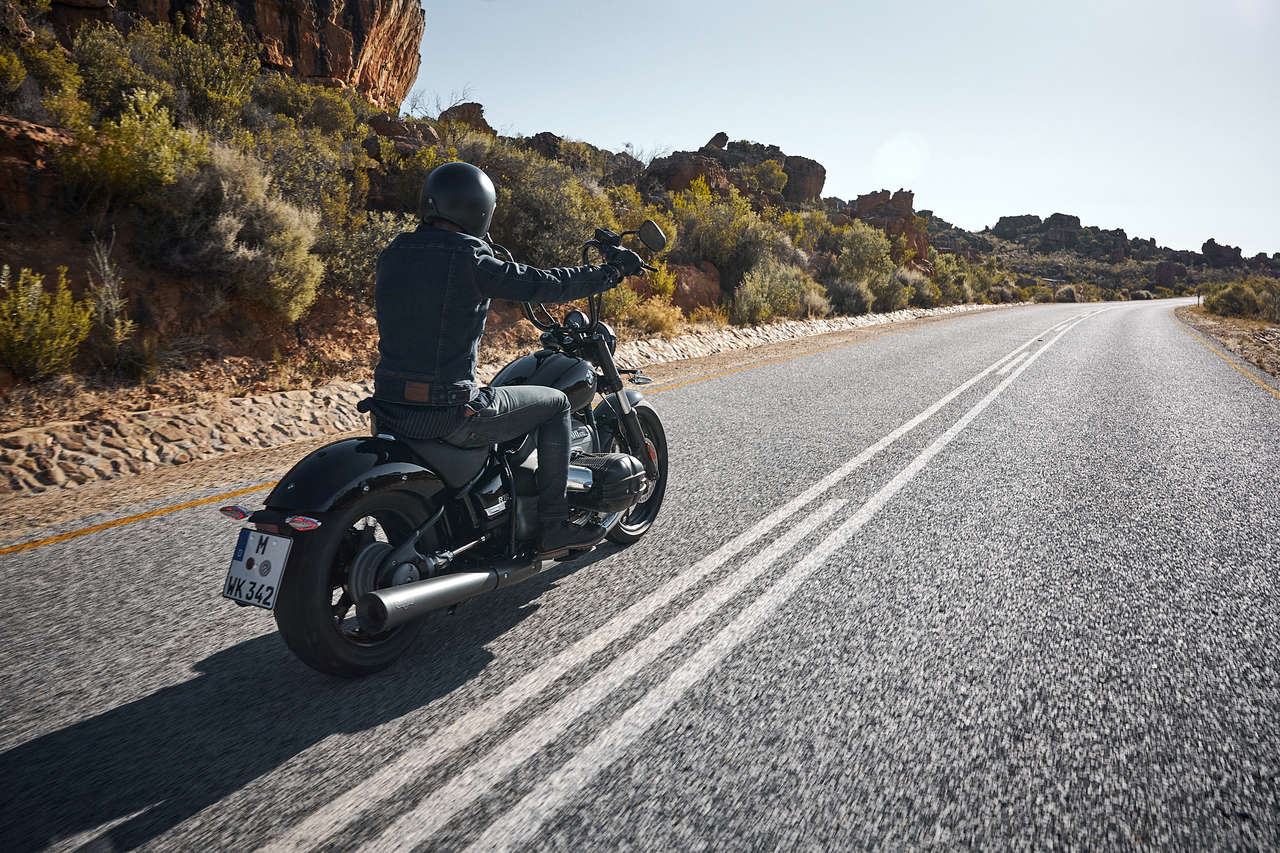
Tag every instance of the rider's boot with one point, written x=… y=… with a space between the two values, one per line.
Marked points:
x=561 y=536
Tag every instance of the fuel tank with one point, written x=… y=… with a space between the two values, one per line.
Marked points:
x=575 y=377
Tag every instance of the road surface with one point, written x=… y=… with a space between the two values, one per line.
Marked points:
x=1004 y=580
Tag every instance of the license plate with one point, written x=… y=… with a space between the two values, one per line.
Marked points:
x=254 y=576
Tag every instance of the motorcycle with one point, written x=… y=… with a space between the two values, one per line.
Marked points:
x=364 y=537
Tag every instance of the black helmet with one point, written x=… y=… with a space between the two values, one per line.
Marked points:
x=459 y=193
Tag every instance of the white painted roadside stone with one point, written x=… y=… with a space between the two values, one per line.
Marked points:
x=68 y=455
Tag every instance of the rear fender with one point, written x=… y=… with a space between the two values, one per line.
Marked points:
x=331 y=477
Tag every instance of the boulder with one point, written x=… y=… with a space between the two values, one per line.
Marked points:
x=805 y=179
x=1221 y=256
x=895 y=215
x=27 y=152
x=696 y=286
x=677 y=171
x=546 y=143
x=471 y=114
x=394 y=127
x=1012 y=227
x=719 y=141
x=370 y=46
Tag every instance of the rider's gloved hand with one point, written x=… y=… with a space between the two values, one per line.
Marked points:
x=626 y=262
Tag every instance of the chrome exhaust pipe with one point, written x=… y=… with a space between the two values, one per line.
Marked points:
x=384 y=609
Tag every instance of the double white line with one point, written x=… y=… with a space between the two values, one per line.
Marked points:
x=519 y=824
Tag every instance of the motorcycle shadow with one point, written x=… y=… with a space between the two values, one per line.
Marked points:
x=124 y=777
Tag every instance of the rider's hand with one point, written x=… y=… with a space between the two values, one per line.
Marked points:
x=626 y=262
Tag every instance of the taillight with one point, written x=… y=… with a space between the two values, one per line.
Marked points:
x=302 y=523
x=238 y=513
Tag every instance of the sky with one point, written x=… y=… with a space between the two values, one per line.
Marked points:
x=1162 y=118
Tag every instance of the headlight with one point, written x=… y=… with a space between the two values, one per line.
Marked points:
x=610 y=337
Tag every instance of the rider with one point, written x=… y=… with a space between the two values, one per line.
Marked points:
x=433 y=290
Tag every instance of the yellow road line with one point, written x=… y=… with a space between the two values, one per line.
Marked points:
x=1211 y=348
x=107 y=525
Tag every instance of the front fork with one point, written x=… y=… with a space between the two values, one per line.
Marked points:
x=627 y=416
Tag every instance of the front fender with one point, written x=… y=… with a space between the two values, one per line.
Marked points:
x=337 y=473
x=607 y=416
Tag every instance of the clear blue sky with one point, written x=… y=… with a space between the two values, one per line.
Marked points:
x=1162 y=118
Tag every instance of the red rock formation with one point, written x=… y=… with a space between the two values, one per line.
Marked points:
x=27 y=153
x=696 y=285
x=894 y=214
x=677 y=171
x=470 y=114
x=805 y=178
x=367 y=45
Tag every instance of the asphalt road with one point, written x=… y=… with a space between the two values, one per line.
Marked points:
x=1008 y=580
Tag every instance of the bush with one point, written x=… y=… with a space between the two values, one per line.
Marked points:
x=40 y=333
x=1044 y=295
x=632 y=211
x=136 y=154
x=350 y=254
x=1136 y=294
x=11 y=72
x=225 y=222
x=728 y=233
x=110 y=72
x=771 y=290
x=657 y=316
x=921 y=292
x=716 y=315
x=112 y=327
x=814 y=301
x=619 y=303
x=1253 y=298
x=662 y=282
x=1066 y=293
x=1002 y=293
x=850 y=297
x=766 y=176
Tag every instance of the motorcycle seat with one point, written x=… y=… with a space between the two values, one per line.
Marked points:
x=455 y=465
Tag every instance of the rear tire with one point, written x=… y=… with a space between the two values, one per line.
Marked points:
x=636 y=521
x=314 y=612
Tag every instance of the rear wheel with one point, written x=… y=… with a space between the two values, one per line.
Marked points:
x=330 y=568
x=636 y=521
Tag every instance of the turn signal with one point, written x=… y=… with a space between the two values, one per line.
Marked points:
x=301 y=523
x=238 y=513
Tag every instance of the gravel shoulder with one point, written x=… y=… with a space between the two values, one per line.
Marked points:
x=1257 y=342
x=56 y=510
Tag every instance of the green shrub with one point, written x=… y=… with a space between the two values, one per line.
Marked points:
x=350 y=254
x=921 y=292
x=1002 y=293
x=657 y=316
x=136 y=154
x=40 y=333
x=662 y=282
x=311 y=169
x=619 y=303
x=769 y=291
x=766 y=176
x=110 y=73
x=726 y=232
x=850 y=297
x=224 y=222
x=112 y=328
x=11 y=72
x=814 y=301
x=632 y=211
x=217 y=68
x=1253 y=298
x=1067 y=293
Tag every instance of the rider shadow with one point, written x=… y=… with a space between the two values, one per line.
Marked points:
x=151 y=764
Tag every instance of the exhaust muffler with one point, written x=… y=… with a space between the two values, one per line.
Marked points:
x=384 y=609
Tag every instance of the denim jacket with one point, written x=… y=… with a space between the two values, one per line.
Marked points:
x=432 y=296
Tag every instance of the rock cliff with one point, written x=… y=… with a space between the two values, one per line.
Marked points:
x=367 y=45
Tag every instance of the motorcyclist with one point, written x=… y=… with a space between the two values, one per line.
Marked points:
x=432 y=295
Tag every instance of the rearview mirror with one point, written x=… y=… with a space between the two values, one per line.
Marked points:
x=651 y=235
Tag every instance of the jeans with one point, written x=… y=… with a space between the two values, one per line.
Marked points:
x=517 y=411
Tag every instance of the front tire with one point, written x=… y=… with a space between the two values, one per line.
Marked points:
x=636 y=521
x=315 y=612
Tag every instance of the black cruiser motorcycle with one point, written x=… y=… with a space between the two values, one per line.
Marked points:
x=365 y=536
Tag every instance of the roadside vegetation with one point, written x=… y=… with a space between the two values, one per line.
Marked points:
x=223 y=218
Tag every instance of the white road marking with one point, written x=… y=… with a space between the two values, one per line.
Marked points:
x=82 y=839
x=519 y=825
x=1011 y=364
x=463 y=789
x=348 y=807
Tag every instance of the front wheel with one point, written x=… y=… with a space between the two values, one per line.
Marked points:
x=329 y=569
x=636 y=521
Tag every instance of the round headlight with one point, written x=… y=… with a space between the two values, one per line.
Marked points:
x=610 y=337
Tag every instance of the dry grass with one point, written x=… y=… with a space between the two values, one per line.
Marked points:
x=1255 y=341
